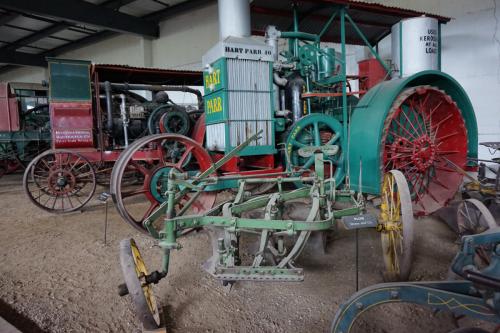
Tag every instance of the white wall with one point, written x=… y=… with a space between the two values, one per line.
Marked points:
x=471 y=54
x=185 y=38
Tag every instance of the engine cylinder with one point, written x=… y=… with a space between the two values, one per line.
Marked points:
x=293 y=100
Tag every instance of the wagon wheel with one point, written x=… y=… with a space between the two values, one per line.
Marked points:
x=152 y=158
x=473 y=218
x=424 y=136
x=396 y=226
x=134 y=273
x=315 y=130
x=59 y=181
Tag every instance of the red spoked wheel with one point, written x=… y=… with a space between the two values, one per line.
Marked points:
x=59 y=181
x=424 y=137
x=151 y=159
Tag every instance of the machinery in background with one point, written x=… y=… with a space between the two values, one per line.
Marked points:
x=477 y=295
x=24 y=124
x=479 y=208
x=94 y=116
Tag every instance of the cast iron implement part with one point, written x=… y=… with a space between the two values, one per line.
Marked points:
x=154 y=278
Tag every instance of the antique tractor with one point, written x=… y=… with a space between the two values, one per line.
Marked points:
x=24 y=125
x=95 y=112
x=291 y=119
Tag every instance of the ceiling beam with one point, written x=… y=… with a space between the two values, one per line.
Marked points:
x=102 y=35
x=79 y=11
x=6 y=18
x=22 y=59
x=57 y=27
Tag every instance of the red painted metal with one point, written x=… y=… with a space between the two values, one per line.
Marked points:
x=72 y=125
x=248 y=165
x=199 y=130
x=9 y=110
x=424 y=132
x=371 y=73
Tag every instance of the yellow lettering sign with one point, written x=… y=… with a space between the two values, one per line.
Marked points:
x=212 y=79
x=214 y=105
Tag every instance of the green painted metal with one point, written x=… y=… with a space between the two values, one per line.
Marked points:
x=215 y=77
x=217 y=100
x=62 y=71
x=344 y=82
x=306 y=132
x=328 y=24
x=367 y=43
x=369 y=115
x=216 y=107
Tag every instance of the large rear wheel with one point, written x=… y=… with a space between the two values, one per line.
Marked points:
x=426 y=139
x=151 y=159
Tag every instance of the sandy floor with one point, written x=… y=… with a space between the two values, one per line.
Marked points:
x=56 y=275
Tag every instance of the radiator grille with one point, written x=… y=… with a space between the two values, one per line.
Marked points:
x=249 y=88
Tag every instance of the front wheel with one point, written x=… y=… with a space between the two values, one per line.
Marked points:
x=134 y=272
x=396 y=226
x=59 y=181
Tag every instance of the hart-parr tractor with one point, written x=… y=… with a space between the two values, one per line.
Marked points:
x=277 y=118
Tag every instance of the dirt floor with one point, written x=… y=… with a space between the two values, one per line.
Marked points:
x=56 y=275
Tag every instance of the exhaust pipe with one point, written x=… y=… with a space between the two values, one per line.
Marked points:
x=234 y=18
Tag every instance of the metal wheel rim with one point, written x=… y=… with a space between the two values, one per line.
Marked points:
x=396 y=208
x=472 y=213
x=317 y=121
x=134 y=270
x=423 y=132
x=126 y=159
x=29 y=177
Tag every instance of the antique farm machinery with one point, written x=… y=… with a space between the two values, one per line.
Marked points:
x=477 y=295
x=280 y=224
x=24 y=126
x=276 y=119
x=95 y=112
x=479 y=207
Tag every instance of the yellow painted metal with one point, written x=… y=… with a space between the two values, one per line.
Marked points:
x=396 y=226
x=142 y=272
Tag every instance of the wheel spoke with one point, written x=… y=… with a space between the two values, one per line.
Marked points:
x=184 y=156
x=140 y=168
x=134 y=193
x=317 y=137
x=149 y=211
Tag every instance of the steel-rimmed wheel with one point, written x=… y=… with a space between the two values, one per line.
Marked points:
x=473 y=217
x=425 y=137
x=59 y=181
x=151 y=159
x=315 y=130
x=134 y=273
x=396 y=226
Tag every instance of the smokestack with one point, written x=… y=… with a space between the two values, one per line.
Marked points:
x=234 y=18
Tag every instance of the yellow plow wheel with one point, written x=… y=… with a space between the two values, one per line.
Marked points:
x=396 y=226
x=134 y=273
